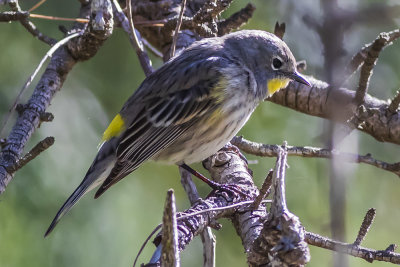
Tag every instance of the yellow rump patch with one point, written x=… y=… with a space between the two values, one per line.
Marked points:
x=115 y=128
x=276 y=84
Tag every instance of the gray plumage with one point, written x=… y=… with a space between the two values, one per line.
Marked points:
x=190 y=107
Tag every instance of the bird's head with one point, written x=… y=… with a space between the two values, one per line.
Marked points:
x=268 y=57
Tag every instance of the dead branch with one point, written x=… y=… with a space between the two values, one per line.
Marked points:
x=236 y=20
x=31 y=28
x=51 y=81
x=356 y=251
x=265 y=150
x=318 y=100
x=282 y=236
x=8 y=16
x=207 y=237
x=33 y=153
x=169 y=242
x=369 y=63
x=134 y=36
x=177 y=28
x=365 y=226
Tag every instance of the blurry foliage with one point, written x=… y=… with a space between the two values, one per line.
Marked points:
x=110 y=230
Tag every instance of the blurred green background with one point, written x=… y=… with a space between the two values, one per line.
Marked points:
x=109 y=231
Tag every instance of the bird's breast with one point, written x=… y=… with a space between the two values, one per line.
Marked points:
x=206 y=137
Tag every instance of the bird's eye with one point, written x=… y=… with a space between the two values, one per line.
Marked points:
x=276 y=63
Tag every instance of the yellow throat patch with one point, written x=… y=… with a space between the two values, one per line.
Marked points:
x=276 y=84
x=116 y=127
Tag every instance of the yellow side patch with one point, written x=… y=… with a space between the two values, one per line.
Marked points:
x=218 y=91
x=276 y=84
x=115 y=128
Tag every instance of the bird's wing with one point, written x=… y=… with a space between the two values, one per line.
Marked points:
x=163 y=117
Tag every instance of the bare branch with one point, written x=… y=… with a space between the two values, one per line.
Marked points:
x=33 y=153
x=178 y=26
x=365 y=226
x=319 y=100
x=30 y=26
x=62 y=61
x=8 y=16
x=282 y=236
x=265 y=190
x=369 y=63
x=359 y=58
x=207 y=237
x=210 y=10
x=38 y=4
x=280 y=29
x=35 y=72
x=134 y=35
x=236 y=20
x=170 y=252
x=356 y=251
x=265 y=150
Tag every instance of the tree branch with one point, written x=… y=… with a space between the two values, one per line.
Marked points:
x=52 y=80
x=360 y=252
x=265 y=150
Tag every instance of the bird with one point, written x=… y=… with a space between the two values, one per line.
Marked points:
x=189 y=108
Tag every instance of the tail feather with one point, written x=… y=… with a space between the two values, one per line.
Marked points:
x=71 y=201
x=97 y=173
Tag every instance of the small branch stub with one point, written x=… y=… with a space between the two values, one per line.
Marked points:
x=265 y=190
x=280 y=29
x=282 y=235
x=169 y=242
x=35 y=151
x=365 y=226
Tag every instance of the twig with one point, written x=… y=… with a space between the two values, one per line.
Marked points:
x=178 y=26
x=265 y=190
x=51 y=81
x=169 y=242
x=33 y=153
x=265 y=150
x=210 y=10
x=46 y=116
x=30 y=26
x=236 y=20
x=80 y=20
x=356 y=251
x=134 y=35
x=319 y=100
x=206 y=209
x=140 y=51
x=367 y=67
x=282 y=236
x=394 y=104
x=365 y=226
x=358 y=59
x=7 y=16
x=280 y=29
x=151 y=23
x=152 y=48
x=278 y=206
x=207 y=237
x=38 y=4
x=35 y=72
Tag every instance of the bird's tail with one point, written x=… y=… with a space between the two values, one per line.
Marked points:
x=71 y=201
x=96 y=175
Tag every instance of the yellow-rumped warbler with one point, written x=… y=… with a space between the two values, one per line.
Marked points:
x=190 y=107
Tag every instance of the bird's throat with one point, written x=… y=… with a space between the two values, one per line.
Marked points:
x=276 y=84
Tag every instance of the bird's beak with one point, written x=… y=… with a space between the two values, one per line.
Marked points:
x=298 y=78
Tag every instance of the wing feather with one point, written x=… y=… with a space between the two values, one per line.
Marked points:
x=162 y=119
